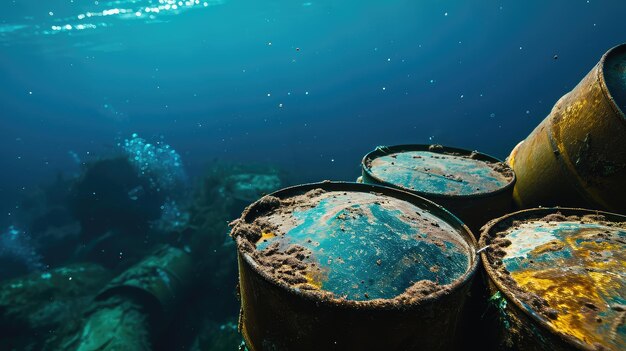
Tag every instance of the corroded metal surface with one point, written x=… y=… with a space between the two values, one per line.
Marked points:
x=372 y=242
x=567 y=275
x=587 y=285
x=368 y=246
x=473 y=186
x=577 y=156
x=437 y=173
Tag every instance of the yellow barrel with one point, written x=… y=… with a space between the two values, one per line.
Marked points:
x=556 y=279
x=577 y=155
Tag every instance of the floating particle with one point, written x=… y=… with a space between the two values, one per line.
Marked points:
x=556 y=57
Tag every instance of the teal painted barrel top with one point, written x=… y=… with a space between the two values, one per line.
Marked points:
x=368 y=245
x=437 y=173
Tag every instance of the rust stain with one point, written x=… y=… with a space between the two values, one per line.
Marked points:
x=581 y=285
x=554 y=245
x=315 y=279
x=265 y=235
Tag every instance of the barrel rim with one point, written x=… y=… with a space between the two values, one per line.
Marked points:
x=380 y=151
x=618 y=49
x=372 y=305
x=494 y=278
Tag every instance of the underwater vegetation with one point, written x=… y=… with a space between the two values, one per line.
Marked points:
x=39 y=310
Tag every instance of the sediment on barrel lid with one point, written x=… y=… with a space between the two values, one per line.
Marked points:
x=567 y=271
x=354 y=246
x=438 y=172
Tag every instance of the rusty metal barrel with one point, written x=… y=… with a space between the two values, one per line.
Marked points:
x=348 y=266
x=577 y=155
x=473 y=186
x=556 y=277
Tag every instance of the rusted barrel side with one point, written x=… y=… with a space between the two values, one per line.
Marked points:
x=363 y=240
x=577 y=155
x=278 y=319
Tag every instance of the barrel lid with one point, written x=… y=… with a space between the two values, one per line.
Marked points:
x=358 y=245
x=566 y=269
x=437 y=170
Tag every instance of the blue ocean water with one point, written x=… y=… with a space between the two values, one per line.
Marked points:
x=308 y=87
x=349 y=75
